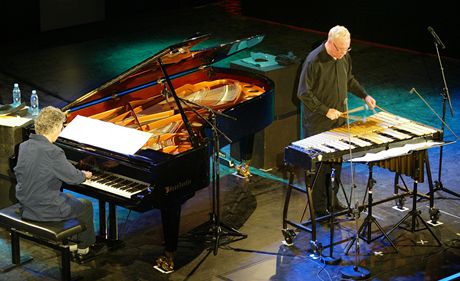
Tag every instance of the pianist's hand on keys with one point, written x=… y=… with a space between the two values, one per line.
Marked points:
x=88 y=174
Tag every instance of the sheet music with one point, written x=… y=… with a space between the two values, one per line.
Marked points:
x=105 y=135
x=395 y=152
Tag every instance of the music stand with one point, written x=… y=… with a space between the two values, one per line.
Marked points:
x=415 y=150
x=414 y=214
x=434 y=212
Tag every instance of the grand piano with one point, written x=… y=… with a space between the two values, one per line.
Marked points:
x=173 y=95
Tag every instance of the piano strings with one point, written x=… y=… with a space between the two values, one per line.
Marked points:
x=161 y=117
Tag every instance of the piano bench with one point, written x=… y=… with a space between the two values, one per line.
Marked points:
x=55 y=235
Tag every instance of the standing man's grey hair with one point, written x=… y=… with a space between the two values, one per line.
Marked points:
x=49 y=120
x=339 y=32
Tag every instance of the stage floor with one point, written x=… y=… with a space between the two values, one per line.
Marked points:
x=63 y=65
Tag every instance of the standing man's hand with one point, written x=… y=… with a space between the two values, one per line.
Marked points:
x=333 y=114
x=370 y=101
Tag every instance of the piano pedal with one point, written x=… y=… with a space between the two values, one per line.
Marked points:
x=164 y=265
x=162 y=270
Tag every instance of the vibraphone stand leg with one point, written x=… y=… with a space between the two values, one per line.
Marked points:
x=401 y=200
x=365 y=230
x=289 y=234
x=434 y=212
x=414 y=214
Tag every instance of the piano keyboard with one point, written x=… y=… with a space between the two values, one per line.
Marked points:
x=116 y=184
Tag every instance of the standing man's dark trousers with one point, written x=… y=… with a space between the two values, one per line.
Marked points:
x=321 y=188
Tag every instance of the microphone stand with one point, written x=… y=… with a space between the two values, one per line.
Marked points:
x=331 y=260
x=216 y=224
x=355 y=272
x=445 y=98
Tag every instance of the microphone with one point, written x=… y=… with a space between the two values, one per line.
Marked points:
x=436 y=37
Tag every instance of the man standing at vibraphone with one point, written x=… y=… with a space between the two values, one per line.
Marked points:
x=324 y=83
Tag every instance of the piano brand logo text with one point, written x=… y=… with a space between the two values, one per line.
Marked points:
x=178 y=186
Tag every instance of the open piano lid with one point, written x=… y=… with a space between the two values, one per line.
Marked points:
x=177 y=60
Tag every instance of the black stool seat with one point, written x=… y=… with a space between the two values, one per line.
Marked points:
x=55 y=235
x=56 y=231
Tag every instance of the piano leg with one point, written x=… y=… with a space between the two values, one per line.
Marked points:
x=113 y=225
x=243 y=149
x=246 y=148
x=102 y=220
x=109 y=233
x=170 y=217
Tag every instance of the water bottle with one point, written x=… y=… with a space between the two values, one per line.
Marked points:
x=16 y=95
x=34 y=105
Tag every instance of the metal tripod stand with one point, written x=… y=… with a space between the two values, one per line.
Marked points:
x=438 y=185
x=218 y=228
x=365 y=230
x=414 y=214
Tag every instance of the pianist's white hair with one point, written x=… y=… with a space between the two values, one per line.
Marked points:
x=49 y=120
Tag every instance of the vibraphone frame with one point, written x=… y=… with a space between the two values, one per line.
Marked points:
x=411 y=165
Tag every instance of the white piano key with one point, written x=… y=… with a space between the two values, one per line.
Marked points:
x=102 y=182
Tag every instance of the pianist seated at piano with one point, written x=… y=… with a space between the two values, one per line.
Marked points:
x=41 y=169
x=324 y=83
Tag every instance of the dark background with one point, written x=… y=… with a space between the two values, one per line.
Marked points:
x=401 y=24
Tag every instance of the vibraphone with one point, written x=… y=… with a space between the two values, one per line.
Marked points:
x=380 y=131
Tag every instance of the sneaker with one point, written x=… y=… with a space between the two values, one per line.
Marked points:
x=73 y=247
x=83 y=251
x=88 y=254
